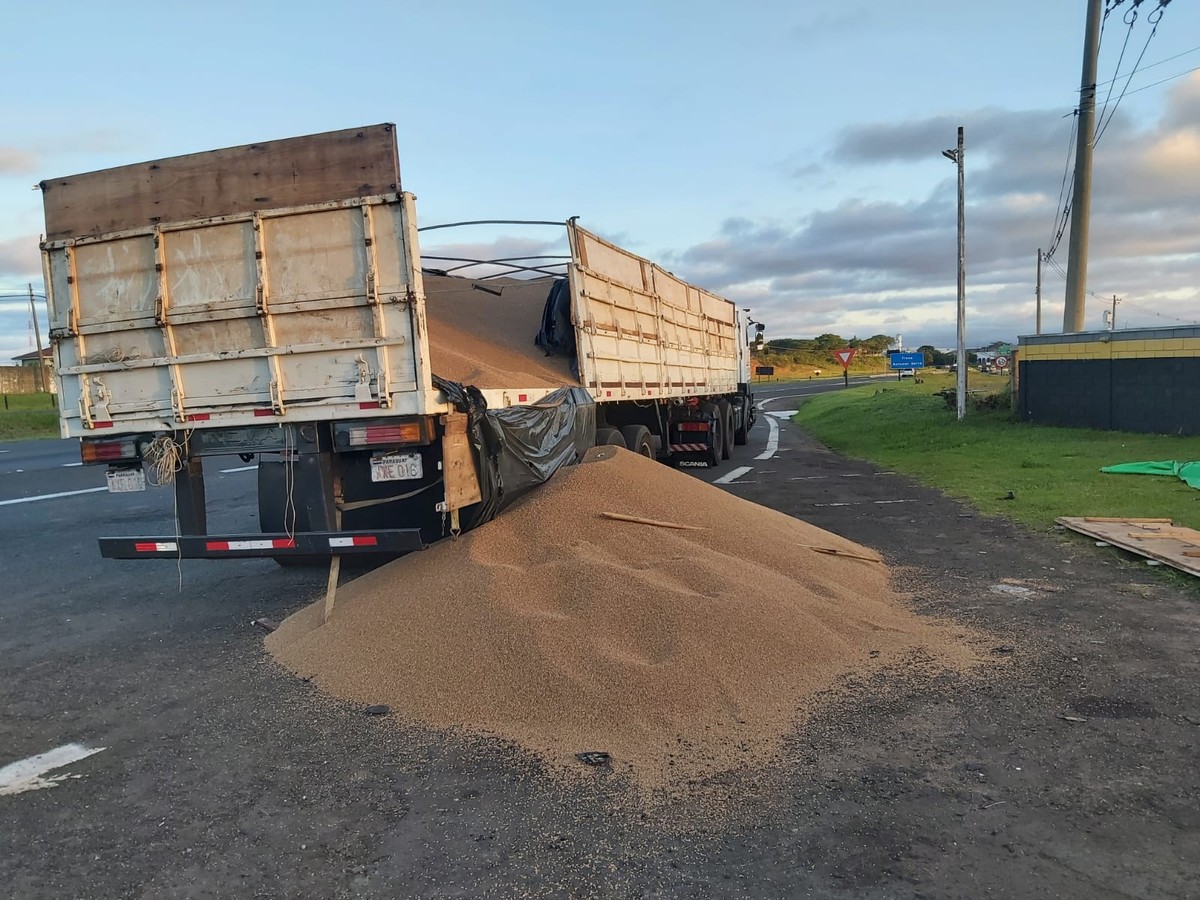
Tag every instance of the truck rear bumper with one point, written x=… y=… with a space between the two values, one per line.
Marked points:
x=392 y=542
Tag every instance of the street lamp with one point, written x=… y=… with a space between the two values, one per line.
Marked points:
x=956 y=156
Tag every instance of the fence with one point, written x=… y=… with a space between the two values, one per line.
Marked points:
x=23 y=380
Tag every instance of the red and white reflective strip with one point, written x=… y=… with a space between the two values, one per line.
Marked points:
x=688 y=448
x=156 y=547
x=356 y=541
x=276 y=544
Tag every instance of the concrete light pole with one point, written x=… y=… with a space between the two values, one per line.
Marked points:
x=956 y=157
x=1081 y=205
x=1039 y=291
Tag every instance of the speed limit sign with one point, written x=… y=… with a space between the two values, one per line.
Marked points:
x=1001 y=362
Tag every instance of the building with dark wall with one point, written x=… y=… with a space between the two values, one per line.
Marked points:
x=1143 y=379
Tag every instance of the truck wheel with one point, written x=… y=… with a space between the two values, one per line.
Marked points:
x=725 y=412
x=717 y=434
x=606 y=436
x=740 y=435
x=638 y=439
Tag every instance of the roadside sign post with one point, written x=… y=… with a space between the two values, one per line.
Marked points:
x=902 y=362
x=844 y=356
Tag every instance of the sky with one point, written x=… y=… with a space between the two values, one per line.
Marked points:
x=784 y=154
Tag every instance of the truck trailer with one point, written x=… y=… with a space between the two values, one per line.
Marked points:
x=271 y=301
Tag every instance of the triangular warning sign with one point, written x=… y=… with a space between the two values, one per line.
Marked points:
x=844 y=356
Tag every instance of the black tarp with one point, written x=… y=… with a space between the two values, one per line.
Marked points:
x=520 y=447
x=557 y=334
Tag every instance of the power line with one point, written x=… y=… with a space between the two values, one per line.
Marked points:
x=1165 y=80
x=1161 y=62
x=1154 y=17
x=1159 y=315
x=1061 y=272
x=1124 y=45
x=1063 y=207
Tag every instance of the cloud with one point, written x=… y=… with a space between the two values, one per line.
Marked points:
x=519 y=251
x=15 y=161
x=20 y=260
x=867 y=265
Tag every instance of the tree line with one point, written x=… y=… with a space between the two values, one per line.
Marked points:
x=819 y=350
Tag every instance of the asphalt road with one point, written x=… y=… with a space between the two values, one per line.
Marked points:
x=211 y=773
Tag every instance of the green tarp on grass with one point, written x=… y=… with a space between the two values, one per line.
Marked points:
x=1187 y=472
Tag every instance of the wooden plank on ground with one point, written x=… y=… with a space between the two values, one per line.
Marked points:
x=1174 y=545
x=1120 y=519
x=316 y=168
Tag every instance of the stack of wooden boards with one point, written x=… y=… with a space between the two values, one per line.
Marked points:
x=1156 y=539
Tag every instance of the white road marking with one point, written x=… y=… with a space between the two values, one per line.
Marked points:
x=772 y=439
x=51 y=496
x=71 y=465
x=734 y=474
x=781 y=413
x=240 y=469
x=26 y=774
x=861 y=502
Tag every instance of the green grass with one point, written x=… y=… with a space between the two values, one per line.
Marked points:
x=28 y=416
x=1051 y=471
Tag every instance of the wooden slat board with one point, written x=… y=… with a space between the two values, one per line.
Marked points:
x=458 y=464
x=316 y=168
x=1160 y=539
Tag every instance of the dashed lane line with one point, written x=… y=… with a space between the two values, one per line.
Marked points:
x=52 y=496
x=733 y=475
x=28 y=774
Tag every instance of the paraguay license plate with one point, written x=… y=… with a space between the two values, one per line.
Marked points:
x=397 y=467
x=125 y=481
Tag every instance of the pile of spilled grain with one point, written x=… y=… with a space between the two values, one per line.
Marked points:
x=682 y=653
x=485 y=340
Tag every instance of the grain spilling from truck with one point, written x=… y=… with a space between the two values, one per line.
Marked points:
x=482 y=332
x=682 y=652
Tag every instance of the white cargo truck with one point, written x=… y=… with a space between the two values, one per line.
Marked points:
x=269 y=300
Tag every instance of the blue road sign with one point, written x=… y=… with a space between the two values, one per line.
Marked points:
x=908 y=360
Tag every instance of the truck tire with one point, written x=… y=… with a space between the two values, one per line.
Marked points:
x=713 y=454
x=638 y=439
x=740 y=436
x=606 y=436
x=725 y=412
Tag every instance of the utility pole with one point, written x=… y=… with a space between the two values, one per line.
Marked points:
x=1112 y=322
x=1039 y=291
x=1081 y=204
x=960 y=390
x=37 y=336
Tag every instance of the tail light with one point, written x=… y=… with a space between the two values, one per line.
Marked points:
x=115 y=450
x=383 y=433
x=693 y=426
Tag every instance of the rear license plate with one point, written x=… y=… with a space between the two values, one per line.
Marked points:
x=397 y=467
x=126 y=481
